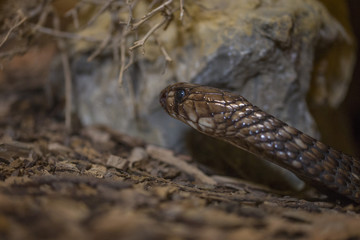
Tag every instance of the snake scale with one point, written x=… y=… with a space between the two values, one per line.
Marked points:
x=230 y=117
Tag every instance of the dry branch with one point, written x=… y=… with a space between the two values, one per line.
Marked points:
x=122 y=58
x=151 y=14
x=181 y=10
x=17 y=23
x=60 y=34
x=67 y=73
x=101 y=47
x=101 y=10
x=142 y=41
x=120 y=37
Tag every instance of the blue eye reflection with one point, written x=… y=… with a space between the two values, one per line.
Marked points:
x=179 y=95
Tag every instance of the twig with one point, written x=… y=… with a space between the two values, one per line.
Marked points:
x=130 y=18
x=150 y=14
x=126 y=31
x=181 y=9
x=142 y=41
x=96 y=15
x=116 y=48
x=124 y=67
x=131 y=60
x=21 y=21
x=74 y=14
x=46 y=11
x=168 y=59
x=122 y=58
x=101 y=47
x=67 y=75
x=68 y=85
x=60 y=34
x=164 y=52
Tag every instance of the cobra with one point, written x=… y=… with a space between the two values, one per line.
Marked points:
x=231 y=118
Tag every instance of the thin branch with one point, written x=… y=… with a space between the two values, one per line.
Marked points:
x=168 y=59
x=68 y=86
x=46 y=11
x=181 y=9
x=131 y=60
x=101 y=10
x=67 y=74
x=142 y=41
x=16 y=25
x=101 y=47
x=163 y=50
x=126 y=31
x=60 y=34
x=130 y=18
x=122 y=58
x=150 y=14
x=116 y=48
x=74 y=14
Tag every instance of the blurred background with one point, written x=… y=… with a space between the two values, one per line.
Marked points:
x=352 y=101
x=336 y=125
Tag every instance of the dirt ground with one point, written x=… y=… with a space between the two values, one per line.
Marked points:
x=96 y=183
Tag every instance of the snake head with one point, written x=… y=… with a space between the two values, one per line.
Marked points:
x=172 y=98
x=203 y=108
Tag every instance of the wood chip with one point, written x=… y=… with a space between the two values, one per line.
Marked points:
x=117 y=162
x=57 y=147
x=168 y=157
x=137 y=154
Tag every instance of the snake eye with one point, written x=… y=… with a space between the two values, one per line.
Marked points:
x=179 y=95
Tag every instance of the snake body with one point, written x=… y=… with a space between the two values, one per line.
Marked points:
x=230 y=117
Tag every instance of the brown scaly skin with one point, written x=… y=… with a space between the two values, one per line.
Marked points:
x=232 y=118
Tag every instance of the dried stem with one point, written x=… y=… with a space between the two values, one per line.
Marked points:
x=60 y=34
x=150 y=14
x=122 y=58
x=163 y=50
x=16 y=25
x=67 y=74
x=181 y=10
x=142 y=41
x=101 y=10
x=116 y=39
x=101 y=47
x=68 y=86
x=74 y=14
x=46 y=11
